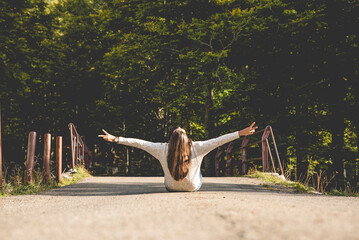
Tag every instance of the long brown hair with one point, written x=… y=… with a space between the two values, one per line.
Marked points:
x=179 y=154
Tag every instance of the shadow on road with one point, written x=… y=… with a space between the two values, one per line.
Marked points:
x=129 y=188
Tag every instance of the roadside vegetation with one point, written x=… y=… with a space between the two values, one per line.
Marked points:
x=16 y=186
x=296 y=186
x=268 y=178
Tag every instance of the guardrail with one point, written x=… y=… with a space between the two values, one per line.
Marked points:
x=79 y=150
x=31 y=147
x=80 y=153
x=265 y=147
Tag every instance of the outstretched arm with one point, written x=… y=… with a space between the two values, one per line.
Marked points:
x=204 y=147
x=155 y=149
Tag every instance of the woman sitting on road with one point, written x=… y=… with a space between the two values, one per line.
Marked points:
x=180 y=158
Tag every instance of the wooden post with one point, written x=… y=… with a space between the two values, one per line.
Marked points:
x=46 y=159
x=59 y=158
x=0 y=152
x=30 y=157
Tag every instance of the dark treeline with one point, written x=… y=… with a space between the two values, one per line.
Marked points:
x=139 y=68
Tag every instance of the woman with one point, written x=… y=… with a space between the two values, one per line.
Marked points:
x=180 y=158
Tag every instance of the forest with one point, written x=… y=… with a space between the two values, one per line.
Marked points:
x=140 y=68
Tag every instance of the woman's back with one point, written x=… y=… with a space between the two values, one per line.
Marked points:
x=181 y=158
x=193 y=179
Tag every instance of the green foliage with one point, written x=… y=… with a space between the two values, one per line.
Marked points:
x=140 y=68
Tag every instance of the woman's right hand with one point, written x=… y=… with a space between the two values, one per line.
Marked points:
x=248 y=131
x=108 y=137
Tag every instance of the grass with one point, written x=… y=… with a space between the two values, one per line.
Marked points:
x=17 y=188
x=269 y=187
x=296 y=186
x=336 y=192
x=80 y=174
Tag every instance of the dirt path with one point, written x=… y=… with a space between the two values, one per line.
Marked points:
x=140 y=208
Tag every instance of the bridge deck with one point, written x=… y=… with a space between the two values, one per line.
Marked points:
x=141 y=208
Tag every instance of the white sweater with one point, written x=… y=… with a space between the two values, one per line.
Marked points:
x=192 y=181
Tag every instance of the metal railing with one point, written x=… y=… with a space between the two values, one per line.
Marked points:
x=79 y=150
x=80 y=153
x=265 y=147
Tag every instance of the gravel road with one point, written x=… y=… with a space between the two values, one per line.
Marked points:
x=141 y=208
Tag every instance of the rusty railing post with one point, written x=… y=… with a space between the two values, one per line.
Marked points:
x=228 y=156
x=30 y=157
x=276 y=150
x=265 y=149
x=78 y=148
x=72 y=145
x=83 y=153
x=46 y=159
x=216 y=162
x=244 y=155
x=59 y=158
x=270 y=155
x=76 y=151
x=0 y=152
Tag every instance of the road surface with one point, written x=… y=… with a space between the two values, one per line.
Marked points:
x=141 y=208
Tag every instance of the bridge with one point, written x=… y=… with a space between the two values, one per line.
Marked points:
x=141 y=208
